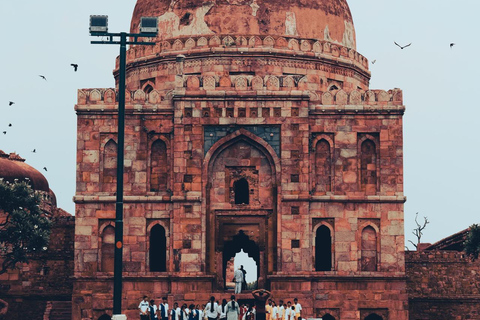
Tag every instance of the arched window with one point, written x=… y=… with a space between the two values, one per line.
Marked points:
x=323 y=249
x=108 y=249
x=158 y=166
x=368 y=169
x=158 y=249
x=328 y=316
x=369 y=249
x=373 y=316
x=109 y=181
x=241 y=191
x=148 y=88
x=323 y=166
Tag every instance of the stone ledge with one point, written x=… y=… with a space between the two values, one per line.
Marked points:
x=324 y=276
x=343 y=198
x=150 y=277
x=246 y=94
x=454 y=298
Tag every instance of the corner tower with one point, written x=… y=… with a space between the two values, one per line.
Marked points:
x=250 y=126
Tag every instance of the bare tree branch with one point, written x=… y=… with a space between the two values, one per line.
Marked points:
x=418 y=231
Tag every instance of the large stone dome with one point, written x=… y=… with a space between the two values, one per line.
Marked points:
x=13 y=167
x=328 y=20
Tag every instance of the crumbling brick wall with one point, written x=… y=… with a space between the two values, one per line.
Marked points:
x=48 y=276
x=442 y=285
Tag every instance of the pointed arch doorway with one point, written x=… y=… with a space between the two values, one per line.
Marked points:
x=232 y=259
x=241 y=204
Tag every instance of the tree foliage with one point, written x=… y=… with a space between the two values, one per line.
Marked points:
x=24 y=227
x=472 y=243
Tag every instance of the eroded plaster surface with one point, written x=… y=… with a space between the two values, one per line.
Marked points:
x=290 y=24
x=169 y=22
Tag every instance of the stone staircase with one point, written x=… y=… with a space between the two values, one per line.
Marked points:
x=58 y=310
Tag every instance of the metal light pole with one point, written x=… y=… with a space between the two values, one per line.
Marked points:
x=99 y=28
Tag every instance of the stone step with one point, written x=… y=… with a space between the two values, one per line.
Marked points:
x=61 y=310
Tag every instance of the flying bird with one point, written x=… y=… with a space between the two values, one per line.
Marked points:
x=373 y=62
x=4 y=132
x=11 y=103
x=34 y=150
x=451 y=45
x=408 y=45
x=75 y=66
x=9 y=124
x=43 y=77
x=45 y=168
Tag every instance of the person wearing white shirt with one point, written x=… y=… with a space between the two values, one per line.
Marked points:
x=152 y=309
x=288 y=311
x=211 y=309
x=298 y=308
x=238 y=279
x=175 y=312
x=233 y=309
x=163 y=308
x=222 y=310
x=274 y=311
x=143 y=307
x=281 y=310
x=199 y=312
x=184 y=312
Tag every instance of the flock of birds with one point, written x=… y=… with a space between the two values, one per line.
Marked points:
x=408 y=45
x=11 y=103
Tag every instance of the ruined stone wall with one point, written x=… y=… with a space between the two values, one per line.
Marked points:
x=48 y=276
x=442 y=285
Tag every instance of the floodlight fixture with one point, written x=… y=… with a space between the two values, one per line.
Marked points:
x=148 y=25
x=98 y=24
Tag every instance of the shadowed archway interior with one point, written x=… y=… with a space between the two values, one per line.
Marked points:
x=239 y=242
x=158 y=249
x=323 y=249
x=241 y=191
x=373 y=316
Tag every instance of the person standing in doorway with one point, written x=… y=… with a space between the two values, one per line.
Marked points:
x=238 y=279
x=233 y=309
x=244 y=283
x=143 y=307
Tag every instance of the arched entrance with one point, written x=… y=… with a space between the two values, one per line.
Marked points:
x=237 y=244
x=241 y=204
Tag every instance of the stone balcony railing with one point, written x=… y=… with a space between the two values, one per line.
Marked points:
x=243 y=44
x=207 y=86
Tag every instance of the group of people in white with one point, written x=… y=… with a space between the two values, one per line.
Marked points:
x=283 y=311
x=214 y=310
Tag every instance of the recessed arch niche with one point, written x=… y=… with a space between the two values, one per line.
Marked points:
x=241 y=158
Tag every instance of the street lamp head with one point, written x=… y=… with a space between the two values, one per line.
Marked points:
x=148 y=25
x=98 y=25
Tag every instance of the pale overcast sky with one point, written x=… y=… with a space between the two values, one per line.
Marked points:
x=441 y=142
